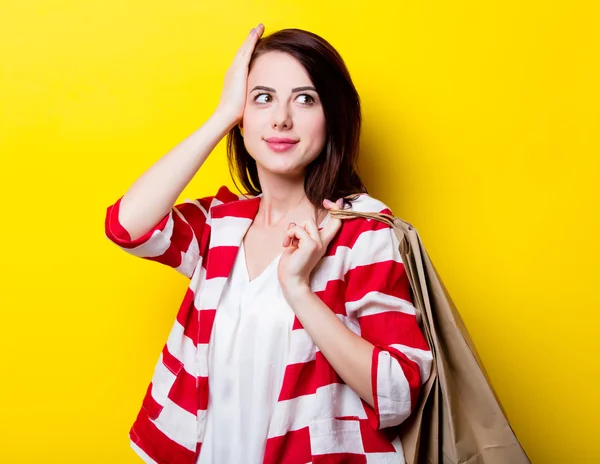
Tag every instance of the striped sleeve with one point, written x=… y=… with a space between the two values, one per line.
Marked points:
x=175 y=240
x=378 y=295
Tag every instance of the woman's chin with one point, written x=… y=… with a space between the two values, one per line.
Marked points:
x=282 y=168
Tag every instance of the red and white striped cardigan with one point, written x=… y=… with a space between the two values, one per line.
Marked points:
x=318 y=418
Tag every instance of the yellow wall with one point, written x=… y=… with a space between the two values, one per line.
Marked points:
x=481 y=125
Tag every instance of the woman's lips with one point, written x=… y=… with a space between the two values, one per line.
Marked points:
x=280 y=146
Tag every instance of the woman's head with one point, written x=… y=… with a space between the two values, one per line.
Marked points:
x=299 y=89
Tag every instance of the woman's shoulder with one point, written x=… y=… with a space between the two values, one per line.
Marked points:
x=368 y=240
x=365 y=203
x=223 y=195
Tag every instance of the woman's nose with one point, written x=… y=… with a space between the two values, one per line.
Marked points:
x=282 y=118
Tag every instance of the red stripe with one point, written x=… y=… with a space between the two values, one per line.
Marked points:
x=333 y=296
x=157 y=445
x=304 y=378
x=339 y=458
x=170 y=361
x=377 y=441
x=298 y=380
x=118 y=234
x=115 y=231
x=237 y=208
x=392 y=327
x=411 y=372
x=351 y=230
x=297 y=324
x=207 y=319
x=183 y=392
x=291 y=448
x=172 y=257
x=152 y=407
x=388 y=277
x=206 y=202
x=220 y=261
x=204 y=244
x=202 y=393
x=195 y=218
x=187 y=316
x=225 y=195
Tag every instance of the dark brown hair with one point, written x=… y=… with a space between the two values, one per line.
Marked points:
x=333 y=174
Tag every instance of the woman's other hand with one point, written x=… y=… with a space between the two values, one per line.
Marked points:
x=306 y=245
x=233 y=96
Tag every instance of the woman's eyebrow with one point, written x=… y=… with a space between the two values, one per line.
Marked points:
x=271 y=89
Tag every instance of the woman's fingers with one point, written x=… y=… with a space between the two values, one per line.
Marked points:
x=300 y=234
x=287 y=240
x=313 y=230
x=245 y=51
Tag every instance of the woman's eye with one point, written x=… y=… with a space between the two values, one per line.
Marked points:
x=262 y=100
x=308 y=99
x=266 y=98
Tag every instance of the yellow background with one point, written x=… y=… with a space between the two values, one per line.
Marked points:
x=481 y=125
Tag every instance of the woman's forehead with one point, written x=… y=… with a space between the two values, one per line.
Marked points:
x=278 y=70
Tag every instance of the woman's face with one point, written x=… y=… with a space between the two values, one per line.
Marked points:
x=282 y=104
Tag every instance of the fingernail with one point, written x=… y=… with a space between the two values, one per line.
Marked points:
x=251 y=31
x=291 y=224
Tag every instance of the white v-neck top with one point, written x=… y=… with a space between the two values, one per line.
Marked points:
x=246 y=362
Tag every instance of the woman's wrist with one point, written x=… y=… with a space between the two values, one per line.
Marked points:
x=297 y=295
x=225 y=117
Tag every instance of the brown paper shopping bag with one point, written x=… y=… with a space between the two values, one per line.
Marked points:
x=458 y=418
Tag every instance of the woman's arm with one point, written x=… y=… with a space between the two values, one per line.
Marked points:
x=154 y=193
x=388 y=363
x=349 y=354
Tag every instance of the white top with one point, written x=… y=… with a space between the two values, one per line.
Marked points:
x=246 y=362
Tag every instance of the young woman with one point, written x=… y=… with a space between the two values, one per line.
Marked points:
x=296 y=341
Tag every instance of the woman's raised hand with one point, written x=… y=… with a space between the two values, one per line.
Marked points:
x=233 y=96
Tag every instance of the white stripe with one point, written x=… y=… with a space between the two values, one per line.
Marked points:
x=162 y=381
x=302 y=349
x=201 y=426
x=292 y=414
x=328 y=436
x=156 y=244
x=397 y=444
x=423 y=358
x=378 y=302
x=140 y=452
x=332 y=267
x=374 y=246
x=202 y=357
x=178 y=424
x=367 y=204
x=197 y=282
x=332 y=400
x=215 y=202
x=183 y=348
x=208 y=297
x=385 y=458
x=228 y=231
x=339 y=400
x=393 y=391
x=370 y=247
